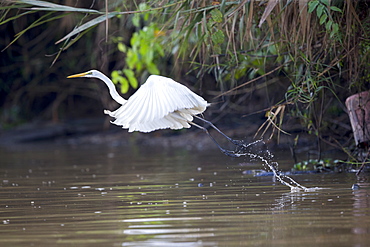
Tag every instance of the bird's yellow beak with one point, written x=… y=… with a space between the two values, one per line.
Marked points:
x=78 y=75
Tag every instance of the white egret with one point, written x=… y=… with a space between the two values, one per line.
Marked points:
x=160 y=103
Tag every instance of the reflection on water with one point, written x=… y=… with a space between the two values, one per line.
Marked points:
x=106 y=196
x=361 y=207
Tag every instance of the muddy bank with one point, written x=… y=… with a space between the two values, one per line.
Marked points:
x=100 y=132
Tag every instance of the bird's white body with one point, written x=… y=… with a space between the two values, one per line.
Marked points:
x=160 y=103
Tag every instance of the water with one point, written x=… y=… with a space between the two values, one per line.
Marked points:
x=267 y=158
x=111 y=196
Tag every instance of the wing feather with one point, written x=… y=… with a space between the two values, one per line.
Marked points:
x=159 y=103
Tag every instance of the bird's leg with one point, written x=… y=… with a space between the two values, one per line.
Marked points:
x=227 y=152
x=235 y=142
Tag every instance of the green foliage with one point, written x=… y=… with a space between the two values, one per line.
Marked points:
x=323 y=12
x=142 y=15
x=317 y=165
x=145 y=49
x=301 y=166
x=312 y=84
x=125 y=78
x=142 y=54
x=214 y=31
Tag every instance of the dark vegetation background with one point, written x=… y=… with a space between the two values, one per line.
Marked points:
x=275 y=66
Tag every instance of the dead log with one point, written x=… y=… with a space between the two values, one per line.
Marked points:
x=358 y=106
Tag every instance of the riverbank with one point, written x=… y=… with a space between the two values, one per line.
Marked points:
x=100 y=132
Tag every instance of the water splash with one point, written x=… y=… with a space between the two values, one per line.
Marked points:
x=264 y=155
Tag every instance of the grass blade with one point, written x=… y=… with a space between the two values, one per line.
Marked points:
x=87 y=25
x=46 y=6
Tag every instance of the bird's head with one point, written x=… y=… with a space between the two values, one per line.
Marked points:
x=90 y=73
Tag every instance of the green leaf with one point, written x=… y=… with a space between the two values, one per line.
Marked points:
x=124 y=85
x=137 y=16
x=115 y=76
x=323 y=18
x=143 y=6
x=216 y=15
x=218 y=37
x=320 y=10
x=135 y=40
x=335 y=9
x=335 y=29
x=122 y=81
x=136 y=20
x=328 y=25
x=131 y=77
x=147 y=54
x=312 y=5
x=139 y=66
x=121 y=47
x=159 y=49
x=326 y=2
x=131 y=59
x=144 y=49
x=146 y=16
x=152 y=68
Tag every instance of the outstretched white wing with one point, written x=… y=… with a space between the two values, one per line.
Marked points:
x=160 y=103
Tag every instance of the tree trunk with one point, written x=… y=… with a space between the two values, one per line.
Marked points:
x=358 y=106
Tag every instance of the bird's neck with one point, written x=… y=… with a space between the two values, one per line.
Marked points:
x=113 y=91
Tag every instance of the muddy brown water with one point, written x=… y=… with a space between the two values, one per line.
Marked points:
x=111 y=196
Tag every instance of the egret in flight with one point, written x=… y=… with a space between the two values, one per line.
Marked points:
x=160 y=103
